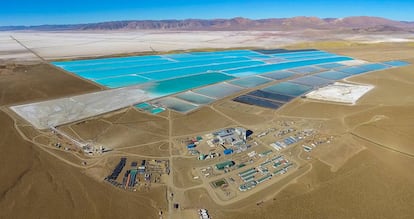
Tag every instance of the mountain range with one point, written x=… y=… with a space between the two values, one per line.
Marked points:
x=360 y=23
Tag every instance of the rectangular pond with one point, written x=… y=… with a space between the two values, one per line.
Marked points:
x=306 y=70
x=352 y=70
x=374 y=66
x=332 y=75
x=219 y=90
x=251 y=81
x=191 y=68
x=282 y=66
x=175 y=104
x=270 y=95
x=181 y=84
x=150 y=108
x=122 y=81
x=165 y=74
x=251 y=100
x=288 y=88
x=278 y=75
x=312 y=81
x=396 y=63
x=108 y=60
x=195 y=98
x=330 y=65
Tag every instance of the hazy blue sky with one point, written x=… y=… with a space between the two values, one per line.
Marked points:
x=34 y=12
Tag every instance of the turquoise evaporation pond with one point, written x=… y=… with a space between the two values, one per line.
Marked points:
x=353 y=70
x=396 y=63
x=107 y=60
x=149 y=108
x=330 y=65
x=195 y=98
x=160 y=75
x=327 y=55
x=157 y=110
x=282 y=66
x=204 y=55
x=251 y=81
x=288 y=88
x=144 y=106
x=218 y=90
x=374 y=66
x=312 y=81
x=332 y=75
x=116 y=65
x=177 y=66
x=177 y=85
x=295 y=54
x=226 y=52
x=278 y=75
x=306 y=69
x=123 y=81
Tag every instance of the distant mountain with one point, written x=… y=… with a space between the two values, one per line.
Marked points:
x=362 y=23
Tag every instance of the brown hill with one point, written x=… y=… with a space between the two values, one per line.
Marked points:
x=237 y=23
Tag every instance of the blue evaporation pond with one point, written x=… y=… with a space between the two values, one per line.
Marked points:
x=123 y=81
x=396 y=63
x=306 y=70
x=332 y=75
x=175 y=104
x=294 y=54
x=276 y=51
x=251 y=81
x=144 y=106
x=272 y=96
x=177 y=85
x=330 y=65
x=219 y=90
x=226 y=52
x=315 y=56
x=282 y=66
x=157 y=110
x=195 y=98
x=201 y=57
x=374 y=66
x=312 y=81
x=353 y=70
x=191 y=66
x=107 y=60
x=278 y=75
x=260 y=57
x=288 y=88
x=274 y=60
x=116 y=65
x=149 y=108
x=251 y=100
x=186 y=64
x=178 y=55
x=159 y=75
x=223 y=54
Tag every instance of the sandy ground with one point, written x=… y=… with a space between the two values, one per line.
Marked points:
x=365 y=174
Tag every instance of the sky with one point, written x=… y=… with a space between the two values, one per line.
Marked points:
x=37 y=12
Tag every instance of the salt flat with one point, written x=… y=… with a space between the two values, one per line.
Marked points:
x=63 y=45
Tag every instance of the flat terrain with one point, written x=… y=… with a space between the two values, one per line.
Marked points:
x=364 y=173
x=68 y=45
